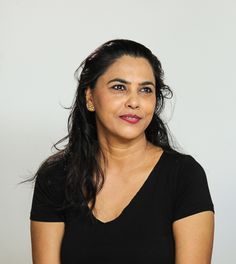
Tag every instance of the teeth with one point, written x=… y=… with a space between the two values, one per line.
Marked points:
x=129 y=117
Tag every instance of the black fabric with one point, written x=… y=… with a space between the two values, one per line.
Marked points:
x=177 y=187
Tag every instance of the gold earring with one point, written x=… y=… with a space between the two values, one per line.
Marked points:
x=90 y=107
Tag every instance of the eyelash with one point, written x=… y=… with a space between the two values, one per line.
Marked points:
x=113 y=87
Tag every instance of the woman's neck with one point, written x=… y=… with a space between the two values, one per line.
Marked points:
x=122 y=156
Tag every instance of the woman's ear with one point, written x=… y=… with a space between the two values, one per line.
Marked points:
x=88 y=95
x=89 y=99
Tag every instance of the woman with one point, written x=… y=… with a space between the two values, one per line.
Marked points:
x=118 y=192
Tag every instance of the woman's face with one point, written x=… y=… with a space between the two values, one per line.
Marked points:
x=124 y=98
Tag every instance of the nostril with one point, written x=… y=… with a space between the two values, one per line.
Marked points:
x=133 y=106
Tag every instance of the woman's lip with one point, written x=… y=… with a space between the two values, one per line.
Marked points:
x=130 y=115
x=130 y=119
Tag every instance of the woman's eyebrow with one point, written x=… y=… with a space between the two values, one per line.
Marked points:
x=126 y=82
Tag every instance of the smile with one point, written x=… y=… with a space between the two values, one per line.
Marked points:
x=130 y=119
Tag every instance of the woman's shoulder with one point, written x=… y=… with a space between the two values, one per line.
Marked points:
x=180 y=157
x=52 y=172
x=185 y=169
x=182 y=164
x=190 y=187
x=49 y=195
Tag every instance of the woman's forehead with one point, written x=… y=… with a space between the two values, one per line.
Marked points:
x=132 y=67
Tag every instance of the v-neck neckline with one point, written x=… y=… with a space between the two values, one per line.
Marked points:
x=135 y=197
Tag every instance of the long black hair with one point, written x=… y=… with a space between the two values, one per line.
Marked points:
x=81 y=152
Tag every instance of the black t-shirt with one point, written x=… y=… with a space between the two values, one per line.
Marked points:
x=176 y=187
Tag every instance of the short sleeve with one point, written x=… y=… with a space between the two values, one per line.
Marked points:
x=48 y=196
x=192 y=194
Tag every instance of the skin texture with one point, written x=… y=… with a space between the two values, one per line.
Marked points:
x=115 y=99
x=123 y=144
x=46 y=240
x=118 y=192
x=194 y=238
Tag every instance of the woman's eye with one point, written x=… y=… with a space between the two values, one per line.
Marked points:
x=147 y=89
x=118 y=87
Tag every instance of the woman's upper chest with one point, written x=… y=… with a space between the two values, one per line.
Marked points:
x=141 y=233
x=115 y=196
x=121 y=188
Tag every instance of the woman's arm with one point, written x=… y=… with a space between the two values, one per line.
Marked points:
x=46 y=240
x=194 y=238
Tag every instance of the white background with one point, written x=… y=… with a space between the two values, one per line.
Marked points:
x=41 y=45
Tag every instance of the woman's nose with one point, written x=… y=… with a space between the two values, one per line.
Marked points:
x=132 y=101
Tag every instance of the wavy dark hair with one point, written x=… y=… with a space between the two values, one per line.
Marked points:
x=81 y=152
